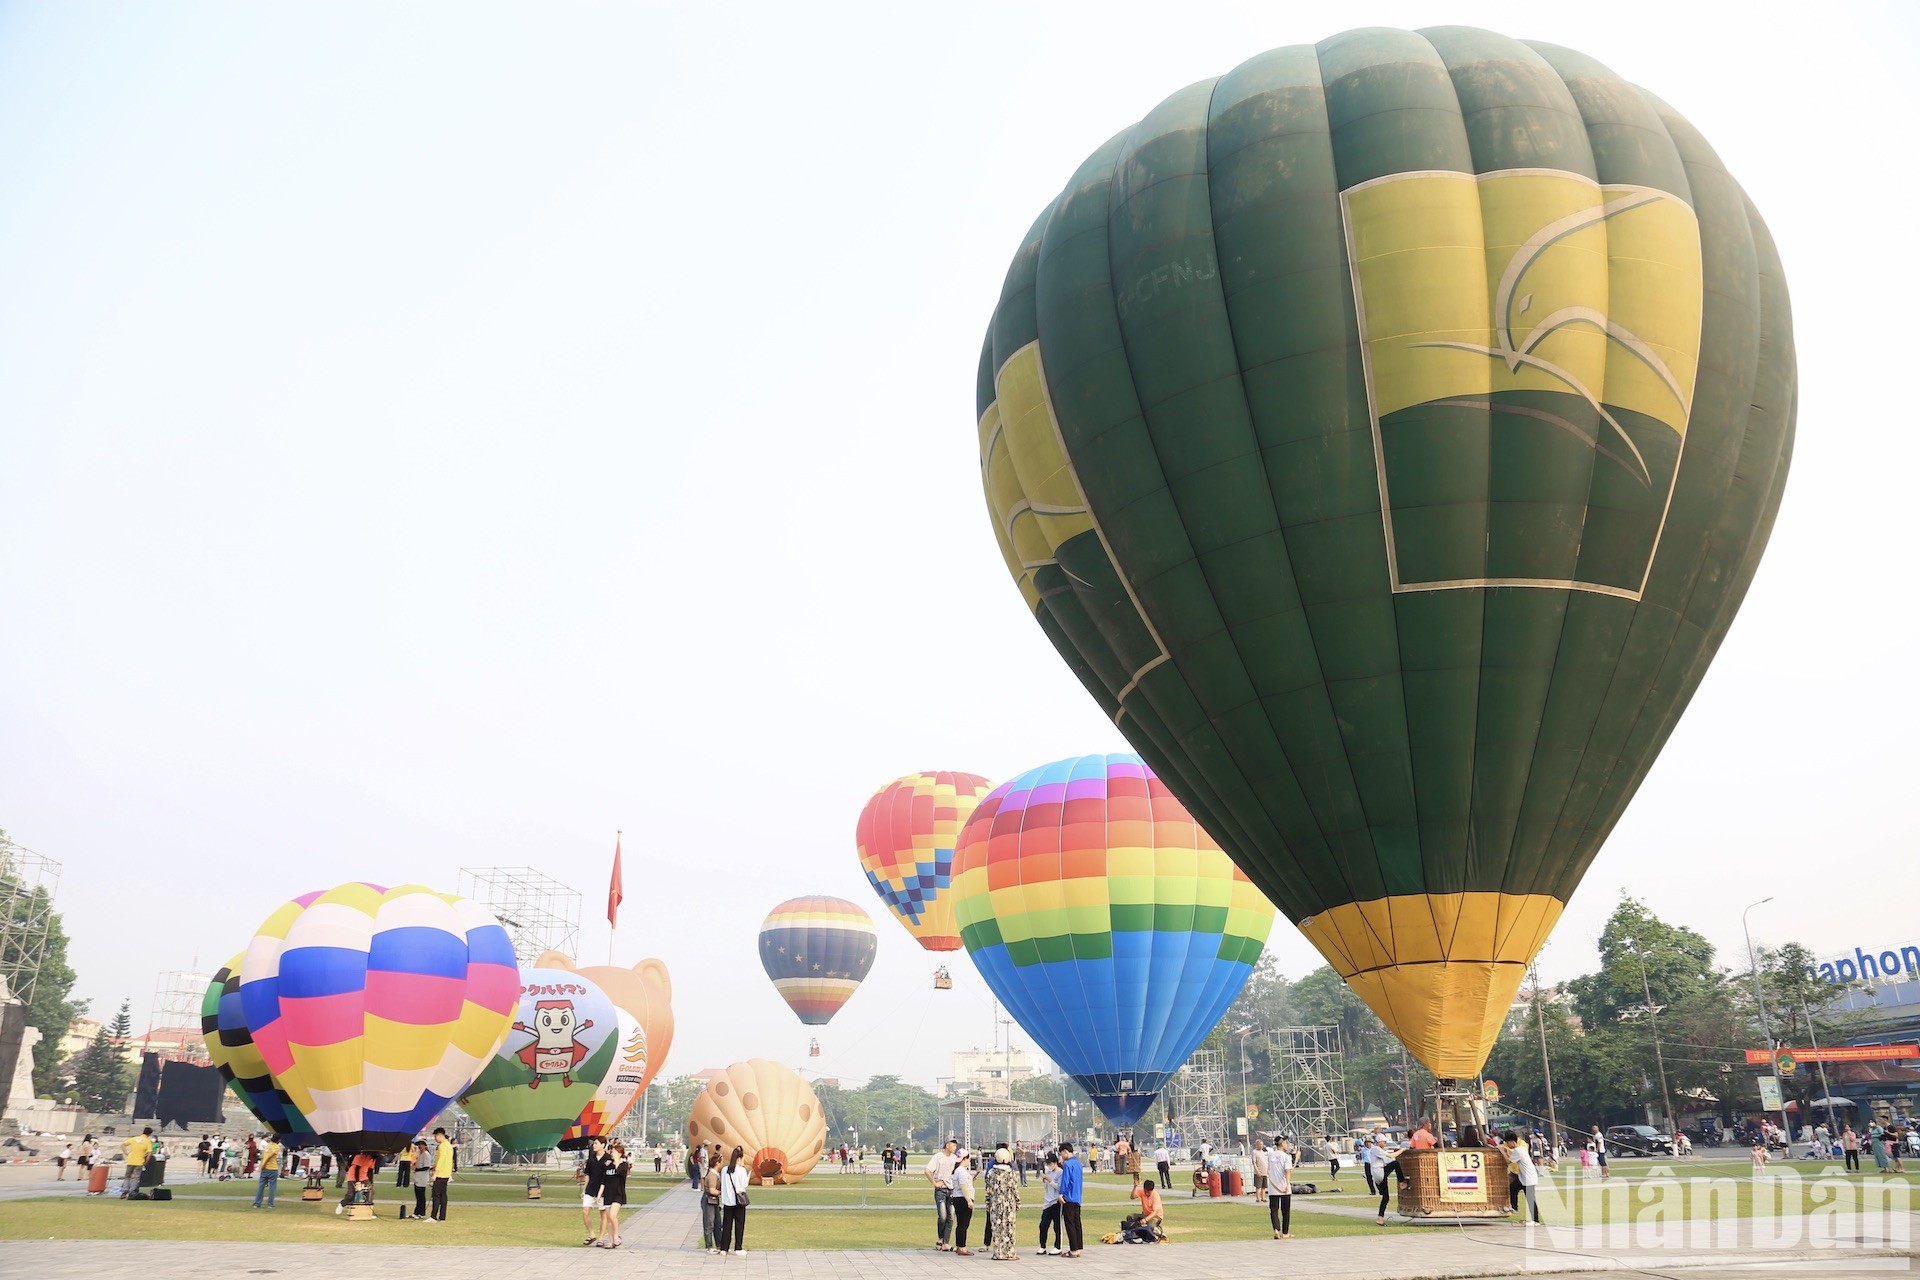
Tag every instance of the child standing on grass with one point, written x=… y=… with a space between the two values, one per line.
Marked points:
x=1759 y=1157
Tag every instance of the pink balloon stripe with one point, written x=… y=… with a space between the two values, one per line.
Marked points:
x=272 y=1042
x=493 y=987
x=415 y=999
x=319 y=1020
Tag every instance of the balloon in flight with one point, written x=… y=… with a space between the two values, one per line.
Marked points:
x=1385 y=433
x=816 y=949
x=905 y=838
x=1114 y=928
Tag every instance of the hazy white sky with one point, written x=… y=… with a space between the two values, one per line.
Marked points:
x=439 y=435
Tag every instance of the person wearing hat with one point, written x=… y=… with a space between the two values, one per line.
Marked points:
x=960 y=1199
x=1003 y=1203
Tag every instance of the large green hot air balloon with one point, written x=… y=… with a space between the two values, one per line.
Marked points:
x=1386 y=433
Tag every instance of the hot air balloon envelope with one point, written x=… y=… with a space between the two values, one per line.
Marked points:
x=644 y=997
x=373 y=1008
x=1385 y=433
x=768 y=1111
x=1115 y=930
x=564 y=1041
x=905 y=837
x=816 y=950
x=230 y=1047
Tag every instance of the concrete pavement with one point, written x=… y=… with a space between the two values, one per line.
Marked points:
x=663 y=1238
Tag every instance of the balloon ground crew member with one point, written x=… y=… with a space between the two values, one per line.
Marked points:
x=360 y=1171
x=269 y=1180
x=139 y=1150
x=442 y=1174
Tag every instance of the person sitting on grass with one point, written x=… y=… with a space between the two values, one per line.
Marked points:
x=360 y=1171
x=1149 y=1225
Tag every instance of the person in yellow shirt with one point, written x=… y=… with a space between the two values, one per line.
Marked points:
x=442 y=1174
x=269 y=1183
x=139 y=1150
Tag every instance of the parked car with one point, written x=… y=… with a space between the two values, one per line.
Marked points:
x=1638 y=1140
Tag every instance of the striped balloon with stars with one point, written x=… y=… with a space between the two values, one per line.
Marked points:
x=817 y=949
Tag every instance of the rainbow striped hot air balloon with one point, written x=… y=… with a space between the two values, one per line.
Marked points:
x=375 y=1007
x=905 y=837
x=816 y=950
x=1107 y=921
x=230 y=1047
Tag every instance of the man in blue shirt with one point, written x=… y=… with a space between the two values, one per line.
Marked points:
x=1070 y=1193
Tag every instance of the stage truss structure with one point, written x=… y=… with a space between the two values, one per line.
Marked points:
x=1195 y=1100
x=1308 y=1070
x=538 y=912
x=173 y=1026
x=28 y=883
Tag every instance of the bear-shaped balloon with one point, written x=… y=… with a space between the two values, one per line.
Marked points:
x=643 y=997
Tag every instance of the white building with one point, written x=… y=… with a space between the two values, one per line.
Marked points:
x=990 y=1071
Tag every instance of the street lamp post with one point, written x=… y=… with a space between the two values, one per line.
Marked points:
x=1760 y=1002
x=1243 y=1032
x=1653 y=1018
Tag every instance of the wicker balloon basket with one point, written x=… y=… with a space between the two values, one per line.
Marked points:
x=1449 y=1183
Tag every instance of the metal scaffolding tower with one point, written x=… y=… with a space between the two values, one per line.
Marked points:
x=538 y=912
x=1309 y=1084
x=173 y=1028
x=28 y=881
x=1196 y=1101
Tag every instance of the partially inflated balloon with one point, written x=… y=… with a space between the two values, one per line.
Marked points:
x=1386 y=433
x=905 y=837
x=230 y=1047
x=768 y=1111
x=816 y=950
x=1107 y=921
x=565 y=1039
x=373 y=1008
x=644 y=997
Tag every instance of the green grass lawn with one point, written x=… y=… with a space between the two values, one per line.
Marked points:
x=490 y=1208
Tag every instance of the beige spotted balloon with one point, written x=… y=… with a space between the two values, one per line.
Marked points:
x=767 y=1111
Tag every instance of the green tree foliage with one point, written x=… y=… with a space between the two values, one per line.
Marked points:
x=1679 y=963
x=103 y=1079
x=51 y=1011
x=670 y=1105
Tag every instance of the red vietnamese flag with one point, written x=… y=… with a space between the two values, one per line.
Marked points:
x=614 y=892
